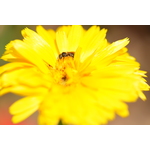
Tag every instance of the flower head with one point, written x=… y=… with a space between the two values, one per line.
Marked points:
x=71 y=75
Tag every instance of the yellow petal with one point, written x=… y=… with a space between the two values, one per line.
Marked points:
x=123 y=112
x=23 y=90
x=65 y=29
x=24 y=104
x=74 y=37
x=62 y=41
x=111 y=49
x=24 y=115
x=52 y=33
x=24 y=76
x=40 y=46
x=100 y=63
x=94 y=42
x=15 y=65
x=24 y=51
x=11 y=57
x=91 y=40
x=50 y=120
x=48 y=37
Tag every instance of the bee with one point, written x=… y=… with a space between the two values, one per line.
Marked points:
x=66 y=54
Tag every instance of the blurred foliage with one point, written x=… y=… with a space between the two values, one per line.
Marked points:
x=9 y=33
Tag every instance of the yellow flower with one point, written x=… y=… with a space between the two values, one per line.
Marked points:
x=71 y=75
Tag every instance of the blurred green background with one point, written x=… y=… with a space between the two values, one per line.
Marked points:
x=139 y=47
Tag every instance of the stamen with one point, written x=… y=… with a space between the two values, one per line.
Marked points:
x=64 y=78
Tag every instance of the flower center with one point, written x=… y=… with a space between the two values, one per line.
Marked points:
x=64 y=73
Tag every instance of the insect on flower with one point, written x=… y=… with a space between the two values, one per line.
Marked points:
x=66 y=54
x=71 y=75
